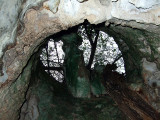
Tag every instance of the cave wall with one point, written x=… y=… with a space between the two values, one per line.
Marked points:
x=140 y=52
x=13 y=94
x=25 y=24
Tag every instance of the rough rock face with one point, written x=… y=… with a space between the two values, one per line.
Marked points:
x=141 y=60
x=26 y=23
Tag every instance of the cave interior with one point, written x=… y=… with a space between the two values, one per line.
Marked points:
x=91 y=82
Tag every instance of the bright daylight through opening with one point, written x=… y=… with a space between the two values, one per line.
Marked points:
x=98 y=49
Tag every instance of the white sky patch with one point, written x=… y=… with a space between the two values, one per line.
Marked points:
x=106 y=52
x=56 y=58
x=53 y=46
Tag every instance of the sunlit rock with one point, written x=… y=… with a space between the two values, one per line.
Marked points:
x=145 y=4
x=51 y=5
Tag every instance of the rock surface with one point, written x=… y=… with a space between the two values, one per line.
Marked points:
x=142 y=68
x=32 y=21
x=26 y=23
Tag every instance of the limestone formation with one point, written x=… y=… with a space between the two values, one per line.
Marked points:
x=52 y=5
x=25 y=24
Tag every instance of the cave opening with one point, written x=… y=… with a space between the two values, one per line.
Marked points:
x=105 y=47
x=76 y=75
x=67 y=82
x=84 y=83
x=98 y=51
